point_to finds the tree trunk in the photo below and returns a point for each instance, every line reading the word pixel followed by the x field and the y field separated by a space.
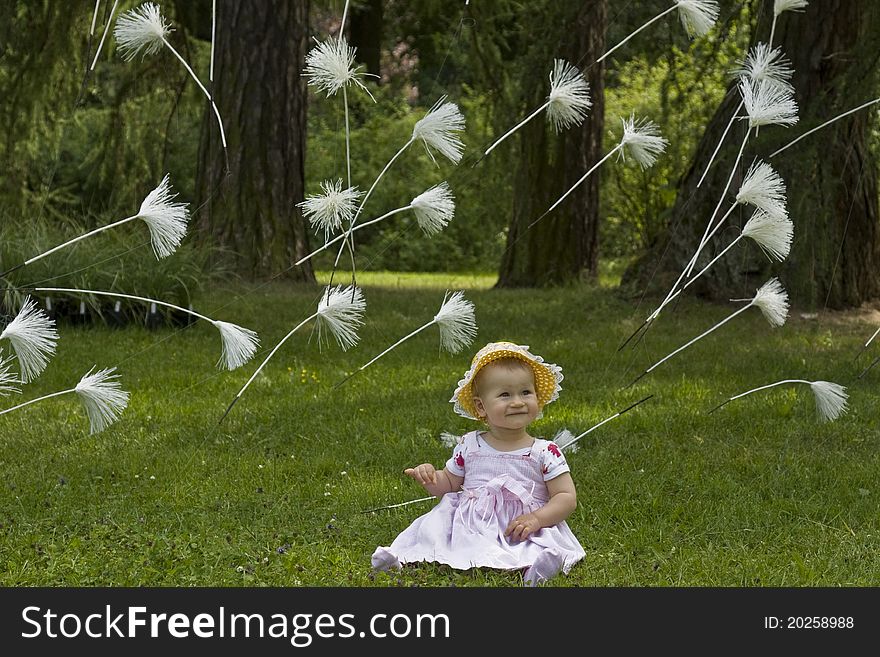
pixel 251 209
pixel 831 176
pixel 563 246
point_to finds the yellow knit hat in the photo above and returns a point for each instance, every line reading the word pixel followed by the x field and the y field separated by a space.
pixel 547 376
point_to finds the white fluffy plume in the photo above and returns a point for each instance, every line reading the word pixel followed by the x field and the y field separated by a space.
pixel 239 344
pixel 773 233
pixel 763 188
pixel 642 140
pixel 434 208
pixel 33 337
pixel 102 397
pixel 766 64
pixel 7 379
pixel 772 300
pixel 330 67
pixel 456 321
pixel 780 6
pixel 327 211
pixel 141 29
pixel 564 439
pixel 697 16
pixel 165 219
pixel 767 103
pixel 437 128
pixel 830 399
pixel 340 313
pixel 569 97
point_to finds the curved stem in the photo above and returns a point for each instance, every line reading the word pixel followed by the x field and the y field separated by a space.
pixel 721 141
pixel 202 87
pixel 33 401
pixel 778 383
pixel 517 127
pixel 81 237
pixel 656 18
pixel 401 341
pixel 124 296
pixel 357 228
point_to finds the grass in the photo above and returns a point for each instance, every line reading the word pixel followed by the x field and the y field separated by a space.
pixel 757 494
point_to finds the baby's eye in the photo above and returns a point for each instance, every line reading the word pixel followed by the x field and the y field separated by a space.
pixel 504 394
pixel 527 392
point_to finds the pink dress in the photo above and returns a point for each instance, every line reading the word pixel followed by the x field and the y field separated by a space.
pixel 466 529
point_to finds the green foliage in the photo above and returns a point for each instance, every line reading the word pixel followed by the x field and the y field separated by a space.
pixel 757 494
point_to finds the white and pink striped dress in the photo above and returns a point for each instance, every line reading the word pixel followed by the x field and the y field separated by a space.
pixel 466 529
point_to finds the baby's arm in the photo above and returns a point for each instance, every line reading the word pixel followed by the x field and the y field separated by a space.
pixel 563 500
pixel 436 483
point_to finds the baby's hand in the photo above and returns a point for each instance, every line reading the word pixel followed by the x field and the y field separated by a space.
pixel 522 526
pixel 424 474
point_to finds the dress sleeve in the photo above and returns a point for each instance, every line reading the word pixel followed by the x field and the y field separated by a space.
pixel 553 463
pixel 456 462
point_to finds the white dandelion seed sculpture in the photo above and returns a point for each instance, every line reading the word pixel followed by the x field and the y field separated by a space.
pixel 769 226
pixel 641 140
pixel 33 337
pixel 566 105
pixel 697 17
pixel 438 129
pixel 565 440
pixel 238 344
pixel 763 64
pixel 771 299
pixel 780 6
pixel 327 211
pixel 166 221
pixel 339 314
pixel 144 30
pixel 329 68
pixel 766 104
pixel 434 209
pixel 831 398
pixel 456 322
pixel 106 30
pixel 8 378
pixel 101 395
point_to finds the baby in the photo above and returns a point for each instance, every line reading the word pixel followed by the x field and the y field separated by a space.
pixel 505 495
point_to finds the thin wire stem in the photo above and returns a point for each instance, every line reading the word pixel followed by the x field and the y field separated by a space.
pixel 103 36
pixel 357 228
pixel 721 141
pixel 517 127
pixel 402 340
pixel 124 296
pixel 656 18
pixel 394 506
pixel 81 237
pixel 778 383
pixel 871 339
pixel 213 33
pixel 608 419
pixel 94 18
pixel 829 122
pixel 33 401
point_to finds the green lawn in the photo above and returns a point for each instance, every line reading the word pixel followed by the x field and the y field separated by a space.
pixel 757 494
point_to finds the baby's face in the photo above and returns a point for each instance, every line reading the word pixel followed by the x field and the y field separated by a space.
pixel 506 395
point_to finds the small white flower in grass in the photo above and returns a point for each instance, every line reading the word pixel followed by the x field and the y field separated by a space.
pixel 780 6
pixel 327 211
pixel 436 129
pixel 772 300
pixel 102 397
pixel 830 399
pixel 766 64
pixel 33 336
pixel 767 103
pixel 434 208
pixel 7 379
pixel 166 220
pixel 330 67
pixel 239 344
pixel 763 188
pixel 564 439
pixel 642 140
pixel 772 233
pixel 697 16
pixel 458 327
pixel 141 29
pixel 569 97
pixel 340 312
